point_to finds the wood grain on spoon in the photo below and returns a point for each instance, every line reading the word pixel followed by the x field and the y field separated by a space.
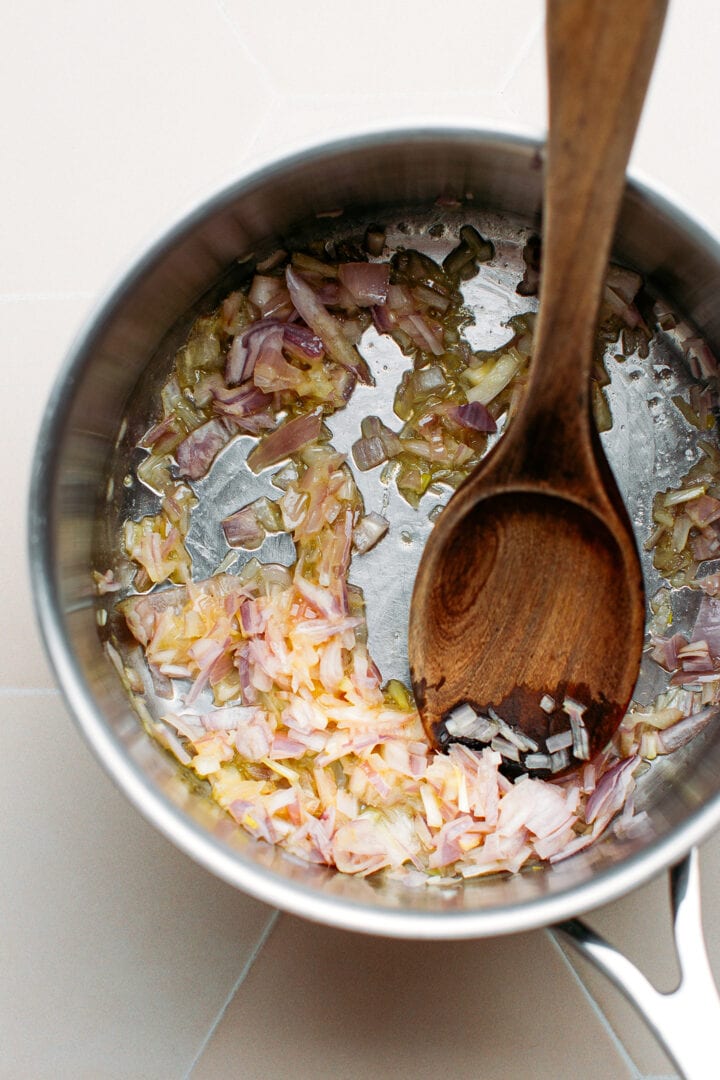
pixel 530 583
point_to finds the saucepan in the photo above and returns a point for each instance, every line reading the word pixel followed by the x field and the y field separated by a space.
pixel 420 184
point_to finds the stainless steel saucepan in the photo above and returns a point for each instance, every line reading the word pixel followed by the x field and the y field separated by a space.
pixel 103 399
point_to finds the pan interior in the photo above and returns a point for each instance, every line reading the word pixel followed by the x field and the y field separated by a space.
pixel 98 415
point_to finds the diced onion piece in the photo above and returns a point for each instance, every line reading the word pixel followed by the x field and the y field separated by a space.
pixel 657 718
pixel 302 342
pixel 400 301
pixel 461 720
pixel 245 405
pixel 374 241
pixel 703 511
pixel 487 385
pixel 373 426
pixel 294 507
pixel 481 248
pixel 559 760
pixel 286 476
pixel 664 517
pixel 537 761
pixel 563 740
pixel 198 451
pixel 326 326
pixel 627 312
pixel 271 297
pixel 368 531
pixel 626 283
pixel 517 738
pixel 155 472
pixel 163 437
pixel 681 532
pixel 573 708
pixel 423 334
pixel 431 806
pixel 506 748
pixel 242 529
pixel 649 745
pixel 580 739
pixel 272 372
pixel 611 789
pixel 474 416
pixel 268 514
pixel 367 283
pixel 547 704
pixel 428 379
pixel 464 723
pixel 684 495
pixel 369 453
pixel 710 584
pixel 672 738
pixel 290 437
pixel 246 347
pixel 431 298
pixel 484 730
pixel 264 289
pixel 701 361
pixel 105 583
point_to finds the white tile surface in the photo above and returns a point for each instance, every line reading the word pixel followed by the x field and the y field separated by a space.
pixel 339 49
pixel 35 331
pixel 115 115
pixel 116 952
pixel 677 143
pixel 345 1006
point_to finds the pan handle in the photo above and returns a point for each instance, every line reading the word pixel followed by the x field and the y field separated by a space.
pixel 686 1020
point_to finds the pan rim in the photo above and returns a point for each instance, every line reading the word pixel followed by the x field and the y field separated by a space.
pixel 243 873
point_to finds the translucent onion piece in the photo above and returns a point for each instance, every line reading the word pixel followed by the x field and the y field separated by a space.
pixel 368 453
pixel 326 326
pixel 286 440
pixel 367 283
pixel 369 531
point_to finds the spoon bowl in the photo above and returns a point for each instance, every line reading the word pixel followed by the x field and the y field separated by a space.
pixel 553 568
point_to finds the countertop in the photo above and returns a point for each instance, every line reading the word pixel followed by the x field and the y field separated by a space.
pixel 120 958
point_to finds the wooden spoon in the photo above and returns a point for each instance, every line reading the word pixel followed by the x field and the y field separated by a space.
pixel 530 583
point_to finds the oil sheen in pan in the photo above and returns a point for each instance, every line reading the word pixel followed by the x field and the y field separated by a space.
pixel 650 446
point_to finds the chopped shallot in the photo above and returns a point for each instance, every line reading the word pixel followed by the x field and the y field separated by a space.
pixel 367 283
pixel 475 416
pixel 286 440
pixel 242 529
pixel 326 326
pixel 196 453
pixel 276 702
pixel 369 531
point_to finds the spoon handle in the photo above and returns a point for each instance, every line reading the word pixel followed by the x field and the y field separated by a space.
pixel 600 55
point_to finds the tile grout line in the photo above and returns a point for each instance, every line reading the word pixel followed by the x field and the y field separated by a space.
pixel 521 55
pixel 272 97
pixel 604 1022
pixel 244 972
pixel 250 56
